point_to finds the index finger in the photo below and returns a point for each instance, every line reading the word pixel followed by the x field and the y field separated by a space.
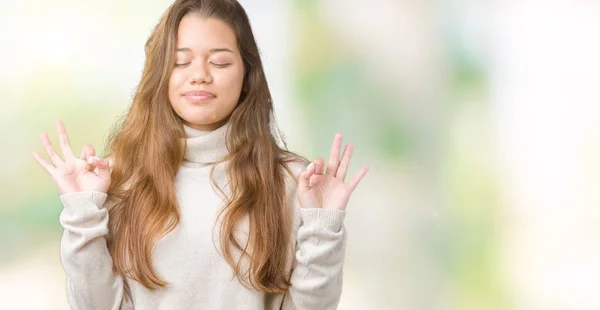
pixel 63 139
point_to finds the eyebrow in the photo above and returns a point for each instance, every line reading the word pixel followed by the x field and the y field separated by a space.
pixel 211 51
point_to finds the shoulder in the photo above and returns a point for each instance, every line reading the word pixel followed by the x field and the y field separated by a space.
pixel 293 167
pixel 111 166
pixel 111 162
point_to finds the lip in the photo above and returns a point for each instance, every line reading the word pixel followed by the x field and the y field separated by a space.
pixel 198 95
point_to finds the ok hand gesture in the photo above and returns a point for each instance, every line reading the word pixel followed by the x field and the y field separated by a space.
pixel 329 190
pixel 73 174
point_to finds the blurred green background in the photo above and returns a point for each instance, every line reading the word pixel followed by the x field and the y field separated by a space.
pixel 480 120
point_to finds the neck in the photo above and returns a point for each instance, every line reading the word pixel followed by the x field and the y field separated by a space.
pixel 207 127
pixel 205 146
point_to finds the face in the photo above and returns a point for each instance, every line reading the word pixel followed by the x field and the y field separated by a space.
pixel 207 78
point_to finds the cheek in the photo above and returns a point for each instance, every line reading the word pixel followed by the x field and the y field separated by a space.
pixel 231 83
pixel 175 81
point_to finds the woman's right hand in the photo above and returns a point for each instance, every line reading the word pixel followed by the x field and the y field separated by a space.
pixel 74 174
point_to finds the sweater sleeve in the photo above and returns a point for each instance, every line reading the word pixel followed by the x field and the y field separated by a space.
pixel 316 279
pixel 92 282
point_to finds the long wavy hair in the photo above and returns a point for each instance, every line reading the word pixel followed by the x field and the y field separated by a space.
pixel 146 150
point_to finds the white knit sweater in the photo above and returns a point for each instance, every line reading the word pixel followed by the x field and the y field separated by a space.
pixel 198 276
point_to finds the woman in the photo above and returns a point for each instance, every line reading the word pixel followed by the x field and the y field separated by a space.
pixel 196 205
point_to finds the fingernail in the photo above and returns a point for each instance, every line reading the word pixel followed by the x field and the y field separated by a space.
pixel 310 166
pixel 90 159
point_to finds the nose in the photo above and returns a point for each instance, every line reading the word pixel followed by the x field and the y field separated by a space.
pixel 200 74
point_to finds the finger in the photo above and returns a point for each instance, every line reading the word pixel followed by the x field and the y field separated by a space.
pixel 102 166
pixel 356 179
pixel 317 179
pixel 48 167
pixel 54 158
pixel 63 138
pixel 319 165
pixel 334 156
pixel 304 178
pixel 87 151
pixel 343 168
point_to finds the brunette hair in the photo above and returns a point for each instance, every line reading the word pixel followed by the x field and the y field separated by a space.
pixel 147 149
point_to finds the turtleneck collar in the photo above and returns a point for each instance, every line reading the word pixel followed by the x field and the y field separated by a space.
pixel 205 146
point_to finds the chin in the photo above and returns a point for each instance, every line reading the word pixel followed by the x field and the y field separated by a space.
pixel 204 123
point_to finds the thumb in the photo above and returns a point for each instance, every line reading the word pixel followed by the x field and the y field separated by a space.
pixel 304 178
pixel 102 166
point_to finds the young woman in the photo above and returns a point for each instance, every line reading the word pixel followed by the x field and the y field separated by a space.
pixel 196 206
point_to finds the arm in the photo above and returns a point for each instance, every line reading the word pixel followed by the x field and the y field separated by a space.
pixel 91 281
pixel 320 250
pixel 82 183
pixel 322 197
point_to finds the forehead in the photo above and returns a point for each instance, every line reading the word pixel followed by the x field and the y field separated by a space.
pixel 201 34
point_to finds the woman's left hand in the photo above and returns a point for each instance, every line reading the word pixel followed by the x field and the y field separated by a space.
pixel 329 190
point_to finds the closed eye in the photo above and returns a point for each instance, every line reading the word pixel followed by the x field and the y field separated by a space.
pixel 220 65
pixel 214 64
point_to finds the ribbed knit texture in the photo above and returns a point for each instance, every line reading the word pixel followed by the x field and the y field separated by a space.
pixel 198 276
